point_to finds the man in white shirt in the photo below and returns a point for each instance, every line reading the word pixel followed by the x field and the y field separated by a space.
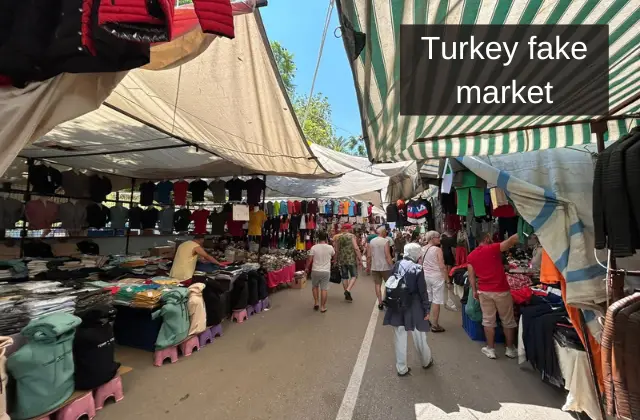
pixel 319 265
pixel 379 261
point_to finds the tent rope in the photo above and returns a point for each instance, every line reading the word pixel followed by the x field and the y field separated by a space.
pixel 315 73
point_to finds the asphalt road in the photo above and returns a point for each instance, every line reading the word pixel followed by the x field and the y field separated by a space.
pixel 294 363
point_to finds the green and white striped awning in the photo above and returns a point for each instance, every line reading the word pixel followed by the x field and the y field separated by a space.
pixel 391 136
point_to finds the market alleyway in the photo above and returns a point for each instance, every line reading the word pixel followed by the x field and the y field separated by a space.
pixel 294 363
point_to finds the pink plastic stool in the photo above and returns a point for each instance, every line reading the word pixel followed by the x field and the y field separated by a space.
pixel 216 331
pixel 161 355
pixel 239 316
pixel 188 346
pixel 266 304
pixel 113 388
pixel 257 308
pixel 83 406
pixel 45 418
pixel 250 311
pixel 205 337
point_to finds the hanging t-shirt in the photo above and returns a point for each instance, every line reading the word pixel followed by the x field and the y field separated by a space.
pixel 217 220
pixel 235 187
pixel 97 215
pixel 119 215
pixel 331 207
pixel 284 208
pixel 234 226
pixel 254 187
pixel 256 220
pixel 181 220
pixel 269 208
pixel 276 208
pixel 217 188
pixel 352 208
pixel 197 189
pixel 304 206
pixel 135 216
pixel 364 211
pixel 199 218
pixel 165 219
pixel 99 188
pixel 392 213
pixel 290 207
pixel 345 208
pixel 149 218
pixel 163 192
pixel 180 192
pixel 313 207
pixel 303 222
pixel 146 193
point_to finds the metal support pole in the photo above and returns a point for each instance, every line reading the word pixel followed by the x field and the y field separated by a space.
pixel 264 208
pixel 133 187
pixel 26 198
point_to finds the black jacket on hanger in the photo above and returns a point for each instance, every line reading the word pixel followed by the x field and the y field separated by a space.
pixel 149 218
pixel 181 220
pixel 615 225
pixel 146 193
pixel 135 217
pixel 44 179
pixel 97 215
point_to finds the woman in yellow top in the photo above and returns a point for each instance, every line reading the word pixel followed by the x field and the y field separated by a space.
pixel 186 258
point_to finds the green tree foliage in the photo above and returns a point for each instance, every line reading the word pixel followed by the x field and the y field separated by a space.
pixel 317 127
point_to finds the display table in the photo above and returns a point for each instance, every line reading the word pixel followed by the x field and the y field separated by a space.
pixel 284 275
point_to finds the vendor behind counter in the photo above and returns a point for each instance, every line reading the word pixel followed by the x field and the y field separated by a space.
pixel 186 258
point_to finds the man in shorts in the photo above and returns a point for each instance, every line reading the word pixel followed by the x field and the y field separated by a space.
pixel 489 284
pixel 379 261
pixel 348 257
pixel 319 265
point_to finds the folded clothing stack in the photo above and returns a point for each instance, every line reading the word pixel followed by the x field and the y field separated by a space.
pixel 13 315
pixel 90 297
pixel 36 267
pixel 5 274
pixel 17 268
pixel 149 299
pixel 37 308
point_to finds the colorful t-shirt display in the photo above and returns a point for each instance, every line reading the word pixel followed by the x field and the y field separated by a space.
pixel 180 193
pixel 199 218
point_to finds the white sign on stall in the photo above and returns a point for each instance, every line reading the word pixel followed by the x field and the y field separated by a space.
pixel 240 212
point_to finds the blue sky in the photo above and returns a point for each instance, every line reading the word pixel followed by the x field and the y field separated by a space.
pixel 298 26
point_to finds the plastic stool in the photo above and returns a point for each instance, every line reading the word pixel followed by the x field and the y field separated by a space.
pixel 188 346
pixel 113 388
pixel 266 304
pixel 239 316
pixel 160 355
pixel 250 311
pixel 257 308
pixel 216 331
pixel 45 418
pixel 205 337
pixel 83 406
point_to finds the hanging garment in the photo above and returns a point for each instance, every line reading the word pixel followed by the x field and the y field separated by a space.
pixel 75 184
pixel 73 216
pixel 166 219
pixel 197 312
pixel 175 318
pixel 525 230
pixel 615 225
pixel 43 368
pixel 180 189
pixel 417 211
pixel 256 222
pixel 4 378
pixel 135 217
pixel 149 218
pixel 94 348
pixel 235 187
pixel 217 219
pixel 160 22
pixel 498 198
pixel 163 192
pixel 199 218
pixel 44 179
pixel 97 215
pixel 118 215
pixel 147 191
pixel 41 214
pixel 181 220
pixel 197 189
pixel 99 188
pixel 11 210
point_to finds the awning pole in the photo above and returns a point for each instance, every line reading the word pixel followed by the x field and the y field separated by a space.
pixel 133 187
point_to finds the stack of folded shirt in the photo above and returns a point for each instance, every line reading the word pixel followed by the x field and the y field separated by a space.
pixel 32 286
pixel 17 268
pixel 5 274
pixel 37 308
pixel 71 265
pixel 126 294
pixel 36 267
pixel 91 296
pixel 13 315
pixel 149 299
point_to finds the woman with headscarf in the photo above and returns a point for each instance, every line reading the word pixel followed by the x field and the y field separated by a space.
pixel 415 317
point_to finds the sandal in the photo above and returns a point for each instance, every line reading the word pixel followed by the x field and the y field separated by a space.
pixel 323 311
pixel 437 329
pixel 316 307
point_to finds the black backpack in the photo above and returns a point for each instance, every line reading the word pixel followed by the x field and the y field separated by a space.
pixel 397 293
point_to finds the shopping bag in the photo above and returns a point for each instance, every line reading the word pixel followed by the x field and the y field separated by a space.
pixel 336 277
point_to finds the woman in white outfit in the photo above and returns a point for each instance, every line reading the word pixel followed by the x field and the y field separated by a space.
pixel 435 274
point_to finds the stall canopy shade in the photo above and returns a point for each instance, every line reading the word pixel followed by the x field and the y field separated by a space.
pixel 376 71
pixel 378 183
pixel 229 102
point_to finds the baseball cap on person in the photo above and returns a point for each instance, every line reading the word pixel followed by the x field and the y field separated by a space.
pixel 347 226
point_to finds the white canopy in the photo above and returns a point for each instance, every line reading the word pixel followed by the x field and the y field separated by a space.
pixel 378 183
pixel 228 101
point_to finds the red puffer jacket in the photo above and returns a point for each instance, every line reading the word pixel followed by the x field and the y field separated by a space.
pixel 159 21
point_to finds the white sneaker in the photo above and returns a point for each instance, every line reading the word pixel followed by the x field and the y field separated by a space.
pixel 489 352
pixel 511 352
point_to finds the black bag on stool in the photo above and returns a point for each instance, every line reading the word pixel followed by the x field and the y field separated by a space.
pixel 94 347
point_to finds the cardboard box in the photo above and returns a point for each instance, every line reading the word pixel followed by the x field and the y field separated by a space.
pixel 299 281
pixel 162 251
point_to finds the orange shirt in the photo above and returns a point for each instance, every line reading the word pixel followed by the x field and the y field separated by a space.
pixel 345 208
pixel 549 274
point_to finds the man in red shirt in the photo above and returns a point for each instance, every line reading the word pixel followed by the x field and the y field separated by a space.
pixel 489 284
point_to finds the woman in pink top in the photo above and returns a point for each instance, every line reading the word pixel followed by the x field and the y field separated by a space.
pixel 435 275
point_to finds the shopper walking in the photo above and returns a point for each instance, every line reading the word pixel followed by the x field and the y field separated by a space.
pixel 489 285
pixel 435 275
pixel 399 242
pixel 379 261
pixel 348 257
pixel 319 265
pixel 415 316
